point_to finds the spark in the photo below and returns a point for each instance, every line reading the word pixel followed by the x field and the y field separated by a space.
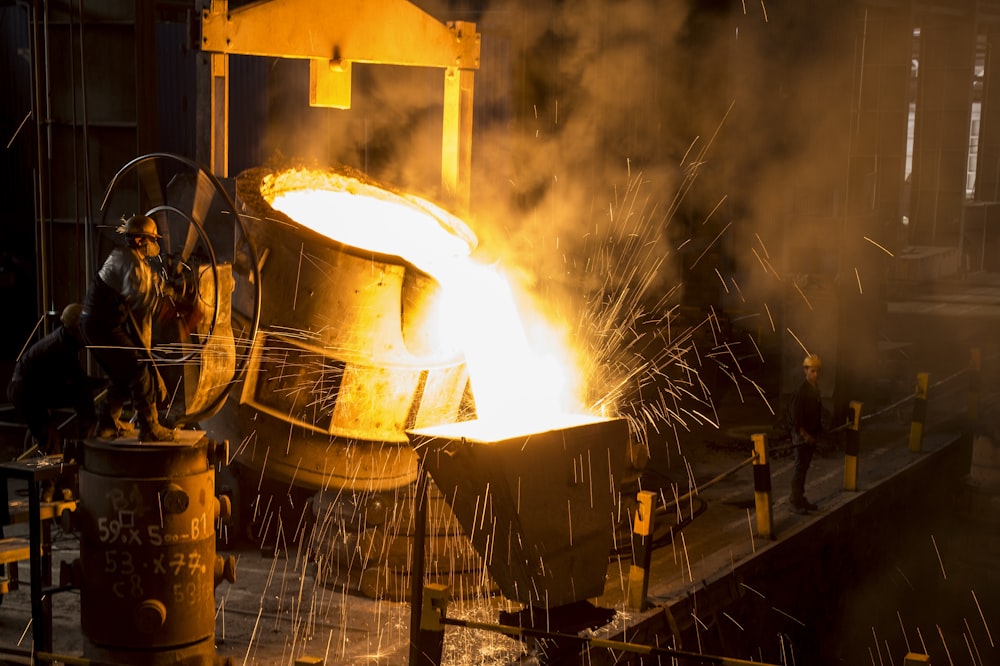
pixel 769 318
pixel 18 130
pixel 698 620
pixel 738 290
pixel 878 649
pixel 940 562
pixel 802 294
pixel 796 620
pixel 902 629
pixel 709 246
pixel 730 618
pixel 721 279
pixel 25 633
pixel 968 646
pixel 905 578
pixel 857 275
pixel 797 340
pixel 945 644
pixel 709 216
pixel 246 658
pixel 687 559
pixel 983 618
pixel 881 247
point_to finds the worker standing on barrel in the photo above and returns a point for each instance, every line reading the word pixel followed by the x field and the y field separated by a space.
pixel 807 424
pixel 48 375
pixel 117 327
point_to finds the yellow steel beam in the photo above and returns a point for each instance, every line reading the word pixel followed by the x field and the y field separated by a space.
pixel 334 34
pixel 391 32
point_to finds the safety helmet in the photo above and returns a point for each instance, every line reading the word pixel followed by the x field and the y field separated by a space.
pixel 141 225
pixel 70 316
pixel 812 361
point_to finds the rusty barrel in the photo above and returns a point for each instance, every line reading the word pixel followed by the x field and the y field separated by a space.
pixel 148 567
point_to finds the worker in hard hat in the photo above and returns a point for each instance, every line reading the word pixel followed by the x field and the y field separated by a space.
pixel 806 413
pixel 48 375
pixel 117 327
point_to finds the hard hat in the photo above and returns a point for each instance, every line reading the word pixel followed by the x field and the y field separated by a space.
pixel 812 361
pixel 70 316
pixel 141 225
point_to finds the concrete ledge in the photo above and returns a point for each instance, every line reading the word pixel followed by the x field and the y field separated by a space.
pixel 819 559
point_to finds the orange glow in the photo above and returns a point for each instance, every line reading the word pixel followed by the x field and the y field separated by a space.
pixel 517 385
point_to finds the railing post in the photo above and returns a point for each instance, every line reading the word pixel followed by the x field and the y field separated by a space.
pixel 975 382
pixel 642 548
pixel 430 641
pixel 919 413
pixel 762 487
pixel 852 447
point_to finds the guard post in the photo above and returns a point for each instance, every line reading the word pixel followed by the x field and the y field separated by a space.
pixel 919 413
pixel 852 446
pixel 430 640
pixel 975 382
pixel 642 549
pixel 762 487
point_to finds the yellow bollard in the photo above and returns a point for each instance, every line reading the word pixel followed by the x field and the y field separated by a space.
pixel 762 487
pixel 642 540
pixel 852 446
pixel 430 641
pixel 914 659
pixel 919 412
pixel 975 381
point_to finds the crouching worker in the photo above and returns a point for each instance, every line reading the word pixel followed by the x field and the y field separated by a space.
pixel 117 327
pixel 47 376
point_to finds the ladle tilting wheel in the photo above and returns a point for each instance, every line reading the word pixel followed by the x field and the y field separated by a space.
pixel 200 340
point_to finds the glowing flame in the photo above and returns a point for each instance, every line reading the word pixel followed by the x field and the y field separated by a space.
pixel 520 382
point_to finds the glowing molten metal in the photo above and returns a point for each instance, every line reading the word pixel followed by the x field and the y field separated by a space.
pixel 517 386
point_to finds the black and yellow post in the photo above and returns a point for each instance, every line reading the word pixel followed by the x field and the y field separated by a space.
pixel 919 412
pixel 642 548
pixel 852 446
pixel 430 642
pixel 975 382
pixel 762 487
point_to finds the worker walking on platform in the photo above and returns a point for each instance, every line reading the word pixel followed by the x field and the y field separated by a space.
pixel 806 413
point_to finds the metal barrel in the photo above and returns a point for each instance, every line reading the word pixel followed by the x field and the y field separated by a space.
pixel 147 551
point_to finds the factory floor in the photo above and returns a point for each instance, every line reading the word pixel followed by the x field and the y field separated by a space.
pixel 276 612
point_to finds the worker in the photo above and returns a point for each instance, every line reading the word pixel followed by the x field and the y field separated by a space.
pixel 117 327
pixel 806 413
pixel 47 376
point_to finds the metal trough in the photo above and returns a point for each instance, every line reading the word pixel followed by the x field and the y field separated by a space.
pixel 539 507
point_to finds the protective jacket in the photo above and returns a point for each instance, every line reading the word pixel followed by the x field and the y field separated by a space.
pixel 807 410
pixel 49 375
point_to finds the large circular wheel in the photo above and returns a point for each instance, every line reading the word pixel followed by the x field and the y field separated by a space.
pixel 205 246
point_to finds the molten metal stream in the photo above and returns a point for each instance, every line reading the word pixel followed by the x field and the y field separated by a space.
pixel 516 387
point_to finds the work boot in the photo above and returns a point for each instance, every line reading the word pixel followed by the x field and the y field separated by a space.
pixel 150 429
pixel 799 506
pixel 110 424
